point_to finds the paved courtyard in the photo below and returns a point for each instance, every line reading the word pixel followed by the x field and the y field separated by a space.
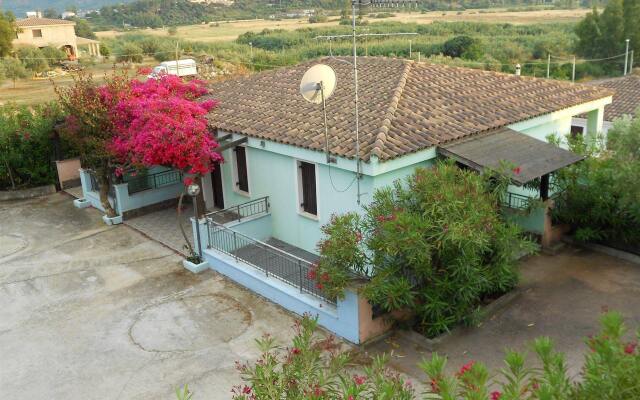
pixel 560 296
pixel 89 311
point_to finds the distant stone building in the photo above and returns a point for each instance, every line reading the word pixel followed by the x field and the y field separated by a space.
pixel 42 32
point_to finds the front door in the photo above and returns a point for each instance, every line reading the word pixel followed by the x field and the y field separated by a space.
pixel 216 185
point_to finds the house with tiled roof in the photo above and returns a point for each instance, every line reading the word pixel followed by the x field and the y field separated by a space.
pixel 283 179
pixel 626 101
pixel 59 33
pixel 410 113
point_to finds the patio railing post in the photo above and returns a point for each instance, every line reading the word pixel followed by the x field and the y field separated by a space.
pixel 300 275
pixel 235 245
pixel 239 216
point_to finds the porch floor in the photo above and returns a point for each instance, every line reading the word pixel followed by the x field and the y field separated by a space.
pixel 286 269
pixel 162 226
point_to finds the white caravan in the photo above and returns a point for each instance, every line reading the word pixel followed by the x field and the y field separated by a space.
pixel 179 68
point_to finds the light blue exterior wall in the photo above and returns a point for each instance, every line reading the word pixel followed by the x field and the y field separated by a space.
pixel 272 171
pixel 342 319
pixel 123 201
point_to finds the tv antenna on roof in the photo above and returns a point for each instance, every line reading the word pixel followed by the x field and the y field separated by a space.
pixel 354 35
pixel 316 86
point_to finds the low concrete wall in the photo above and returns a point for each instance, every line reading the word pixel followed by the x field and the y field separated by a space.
pixel 341 319
pixel 68 172
pixel 126 204
pixel 29 193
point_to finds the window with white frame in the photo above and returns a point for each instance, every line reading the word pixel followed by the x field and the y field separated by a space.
pixel 240 172
pixel 307 188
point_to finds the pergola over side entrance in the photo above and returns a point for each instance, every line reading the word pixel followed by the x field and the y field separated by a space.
pixel 531 158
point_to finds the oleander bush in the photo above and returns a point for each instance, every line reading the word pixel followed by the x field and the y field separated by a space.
pixel 313 367
pixel 434 246
pixel 28 145
pixel 600 196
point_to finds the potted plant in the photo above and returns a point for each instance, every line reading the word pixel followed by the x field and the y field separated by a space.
pixel 195 263
pixel 81 203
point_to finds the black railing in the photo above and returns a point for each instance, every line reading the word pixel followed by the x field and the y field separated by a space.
pixel 515 201
pixel 94 185
pixel 241 211
pixel 271 260
pixel 140 183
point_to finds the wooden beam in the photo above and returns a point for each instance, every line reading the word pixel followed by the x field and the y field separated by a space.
pixel 544 187
pixel 224 137
pixel 229 145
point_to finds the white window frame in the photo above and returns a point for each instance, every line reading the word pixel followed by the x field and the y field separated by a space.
pixel 299 196
pixel 234 171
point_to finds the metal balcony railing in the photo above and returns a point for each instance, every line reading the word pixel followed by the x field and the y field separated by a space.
pixel 274 262
pixel 140 183
pixel 515 201
pixel 241 211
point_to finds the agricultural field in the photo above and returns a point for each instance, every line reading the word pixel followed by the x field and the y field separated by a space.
pixel 38 90
pixel 226 31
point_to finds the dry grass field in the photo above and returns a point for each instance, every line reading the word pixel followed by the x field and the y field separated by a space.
pixel 228 31
pixel 32 91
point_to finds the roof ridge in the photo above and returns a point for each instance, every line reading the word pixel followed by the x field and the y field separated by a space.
pixel 381 137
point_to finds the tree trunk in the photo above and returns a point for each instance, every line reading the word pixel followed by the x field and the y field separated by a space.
pixel 13 182
pixel 184 234
pixel 104 179
pixel 200 197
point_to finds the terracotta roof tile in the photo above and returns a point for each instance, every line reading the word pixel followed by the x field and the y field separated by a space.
pixel 626 99
pixel 404 106
pixel 42 21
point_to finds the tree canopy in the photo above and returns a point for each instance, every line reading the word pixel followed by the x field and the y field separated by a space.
pixel 603 35
pixel 7 32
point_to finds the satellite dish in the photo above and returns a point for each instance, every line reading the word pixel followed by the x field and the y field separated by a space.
pixel 318 83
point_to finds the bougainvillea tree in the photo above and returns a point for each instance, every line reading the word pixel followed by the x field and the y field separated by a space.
pixel 127 123
pixel 89 125
pixel 162 122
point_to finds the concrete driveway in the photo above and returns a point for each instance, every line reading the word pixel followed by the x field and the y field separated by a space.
pixel 560 296
pixel 95 312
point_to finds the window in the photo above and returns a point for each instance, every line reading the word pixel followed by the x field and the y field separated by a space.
pixel 307 188
pixel 576 130
pixel 240 169
pixel 36 33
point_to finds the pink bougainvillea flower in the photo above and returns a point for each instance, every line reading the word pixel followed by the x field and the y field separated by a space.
pixel 188 181
pixel 144 71
pixel 517 170
pixel 496 395
pixel 359 380
pixel 119 171
pixel 435 388
pixel 295 350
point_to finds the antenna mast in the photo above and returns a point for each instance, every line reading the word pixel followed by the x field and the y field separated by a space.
pixel 354 4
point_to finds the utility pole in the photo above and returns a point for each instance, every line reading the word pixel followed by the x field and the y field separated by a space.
pixel 573 72
pixel 626 57
pixel 251 51
pixel 177 57
pixel 410 53
pixel 548 64
pixel 631 63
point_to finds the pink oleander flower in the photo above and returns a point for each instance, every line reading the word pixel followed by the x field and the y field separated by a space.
pixel 496 395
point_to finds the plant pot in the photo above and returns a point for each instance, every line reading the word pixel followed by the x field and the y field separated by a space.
pixel 112 221
pixel 81 203
pixel 195 268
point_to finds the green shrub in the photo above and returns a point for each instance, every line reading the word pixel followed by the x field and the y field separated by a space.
pixel 27 148
pixel 129 52
pixel 599 197
pixel 32 59
pixel 455 250
pixel 53 54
